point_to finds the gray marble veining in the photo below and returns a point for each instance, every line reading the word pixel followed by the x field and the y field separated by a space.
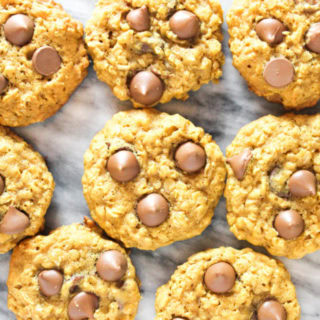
pixel 221 109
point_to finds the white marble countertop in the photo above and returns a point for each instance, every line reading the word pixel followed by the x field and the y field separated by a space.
pixel 221 109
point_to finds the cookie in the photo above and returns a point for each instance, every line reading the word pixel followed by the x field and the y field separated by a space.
pixel 226 283
pixel 151 178
pixel 43 60
pixel 276 48
pixel 26 189
pixel 72 274
pixel 272 189
pixel 152 51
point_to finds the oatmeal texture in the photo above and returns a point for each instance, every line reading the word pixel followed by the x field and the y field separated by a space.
pixel 28 185
pixel 73 250
pixel 258 279
pixel 280 147
pixel 153 137
pixel 119 52
pixel 30 96
pixel 251 54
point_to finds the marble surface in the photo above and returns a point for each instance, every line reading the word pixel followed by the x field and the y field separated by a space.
pixel 221 109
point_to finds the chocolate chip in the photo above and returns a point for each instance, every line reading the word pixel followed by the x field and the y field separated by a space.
pixel 185 24
pixel 123 166
pixel 46 61
pixel 14 222
pixel 83 306
pixel 139 19
pixel 153 210
pixel 2 185
pixel 50 282
pixel 279 72
pixel 19 29
pixel 271 31
pixel 3 83
pixel 313 38
pixel 289 224
pixel 220 277
pixel 146 88
pixel 302 184
pixel 190 157
pixel 239 163
pixel 112 265
pixel 272 310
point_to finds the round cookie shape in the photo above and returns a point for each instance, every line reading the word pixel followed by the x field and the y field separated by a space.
pixel 163 204
pixel 275 203
pixel 26 189
pixel 70 288
pixel 262 289
pixel 45 60
pixel 276 49
pixel 177 42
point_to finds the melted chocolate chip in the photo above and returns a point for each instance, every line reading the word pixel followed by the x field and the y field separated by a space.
pixel 220 277
pixel 14 222
pixel 153 210
pixel 19 29
pixel 112 265
pixel 50 282
pixel 190 157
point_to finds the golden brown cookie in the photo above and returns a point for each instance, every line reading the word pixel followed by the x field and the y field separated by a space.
pixel 43 60
pixel 272 189
pixel 152 178
pixel 26 188
pixel 276 48
pixel 226 283
pixel 152 51
pixel 72 274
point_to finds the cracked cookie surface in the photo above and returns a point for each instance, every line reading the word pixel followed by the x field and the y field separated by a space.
pixel 259 280
pixel 286 34
pixel 120 50
pixel 160 203
pixel 275 203
pixel 26 189
pixel 71 252
pixel 31 92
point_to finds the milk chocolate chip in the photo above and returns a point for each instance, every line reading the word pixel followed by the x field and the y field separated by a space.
pixel 153 210
pixel 83 306
pixel 123 166
pixel 19 29
pixel 3 83
pixel 2 185
pixel 302 184
pixel 190 157
pixel 50 282
pixel 289 224
pixel 112 265
pixel 146 88
pixel 272 310
pixel 139 19
pixel 271 31
pixel 279 72
pixel 220 277
pixel 239 163
pixel 14 222
pixel 185 24
pixel 46 61
pixel 313 38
